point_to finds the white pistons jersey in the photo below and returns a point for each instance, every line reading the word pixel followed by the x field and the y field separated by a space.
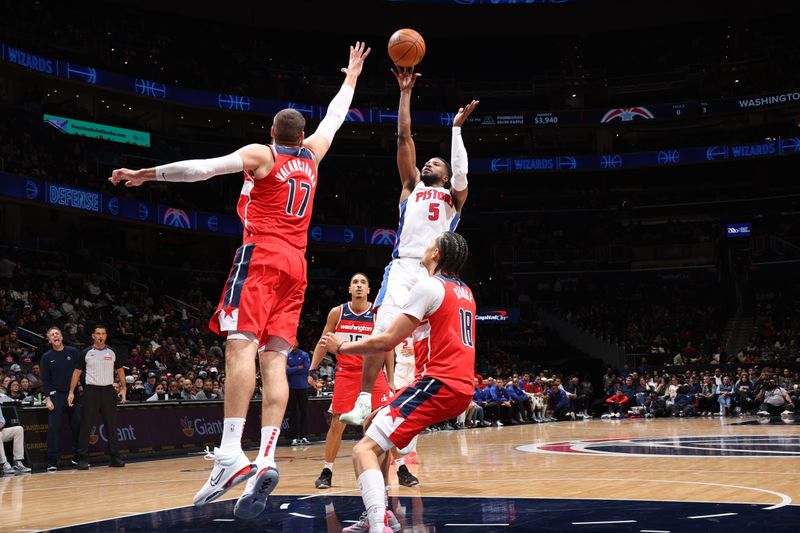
pixel 427 212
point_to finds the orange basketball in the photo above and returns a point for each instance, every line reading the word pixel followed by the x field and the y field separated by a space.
pixel 406 47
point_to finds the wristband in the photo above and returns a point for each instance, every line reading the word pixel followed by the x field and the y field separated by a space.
pixel 339 348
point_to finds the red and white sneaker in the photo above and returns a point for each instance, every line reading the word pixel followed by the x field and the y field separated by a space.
pixel 229 470
pixel 253 500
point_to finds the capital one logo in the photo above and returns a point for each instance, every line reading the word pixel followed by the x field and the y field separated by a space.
pixel 627 114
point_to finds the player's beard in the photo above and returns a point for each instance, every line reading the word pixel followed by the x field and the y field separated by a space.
pixel 429 179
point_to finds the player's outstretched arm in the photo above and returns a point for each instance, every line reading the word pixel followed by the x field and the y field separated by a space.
pixel 398 330
pixel 319 351
pixel 251 157
pixel 321 140
pixel 458 157
pixel 406 150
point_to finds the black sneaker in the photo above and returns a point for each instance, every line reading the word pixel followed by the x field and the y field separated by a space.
pixel 52 468
pixel 74 461
pixel 83 465
pixel 116 462
pixel 406 478
pixel 325 478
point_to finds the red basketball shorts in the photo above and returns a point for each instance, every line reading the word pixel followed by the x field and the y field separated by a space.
pixel 414 408
pixel 347 387
pixel 264 292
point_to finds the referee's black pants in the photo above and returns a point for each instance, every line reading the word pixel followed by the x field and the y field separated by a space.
pixel 102 399
pixel 298 408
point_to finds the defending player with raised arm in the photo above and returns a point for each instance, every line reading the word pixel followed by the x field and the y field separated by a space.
pixel 443 308
pixel 431 201
pixel 259 309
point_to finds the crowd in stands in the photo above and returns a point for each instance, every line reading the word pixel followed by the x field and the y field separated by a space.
pixel 647 392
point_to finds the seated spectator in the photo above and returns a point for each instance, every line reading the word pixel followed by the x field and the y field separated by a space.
pixel 186 392
pixel 136 392
pixel 498 401
pixel 706 399
pixel 159 395
pixel 150 384
pixel 743 395
pixel 174 390
pixel 16 435
pixel 654 406
pixel 725 396
pixel 521 404
pixel 774 400
pixel 684 404
pixel 616 404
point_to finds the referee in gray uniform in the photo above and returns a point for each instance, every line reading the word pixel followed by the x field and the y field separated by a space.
pixel 99 362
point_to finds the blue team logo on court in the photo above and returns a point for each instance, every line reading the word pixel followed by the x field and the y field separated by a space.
pixel 677 446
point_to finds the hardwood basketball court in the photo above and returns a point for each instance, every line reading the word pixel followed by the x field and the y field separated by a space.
pixel 630 475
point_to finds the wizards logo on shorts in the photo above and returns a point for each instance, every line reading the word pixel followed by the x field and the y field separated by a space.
pixel 777 446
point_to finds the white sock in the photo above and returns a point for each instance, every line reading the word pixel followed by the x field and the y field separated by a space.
pixel 365 396
pixel 232 434
pixel 269 440
pixel 329 466
pixel 399 462
pixel 372 490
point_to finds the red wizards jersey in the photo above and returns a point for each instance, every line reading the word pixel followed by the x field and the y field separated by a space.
pixel 444 342
pixel 280 204
pixel 353 327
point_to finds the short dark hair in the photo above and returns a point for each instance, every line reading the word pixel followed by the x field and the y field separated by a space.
pixel 359 274
pixel 448 183
pixel 288 125
pixel 453 253
pixel 99 326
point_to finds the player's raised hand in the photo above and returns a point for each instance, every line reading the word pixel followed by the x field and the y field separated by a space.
pixel 131 178
pixel 406 77
pixel 464 113
pixel 358 53
pixel 330 342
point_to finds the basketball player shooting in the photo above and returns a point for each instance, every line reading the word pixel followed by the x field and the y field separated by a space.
pixel 431 201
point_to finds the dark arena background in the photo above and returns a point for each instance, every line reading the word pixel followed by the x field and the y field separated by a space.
pixel 634 231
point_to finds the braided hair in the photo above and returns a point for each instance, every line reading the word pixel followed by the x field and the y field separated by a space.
pixel 453 252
